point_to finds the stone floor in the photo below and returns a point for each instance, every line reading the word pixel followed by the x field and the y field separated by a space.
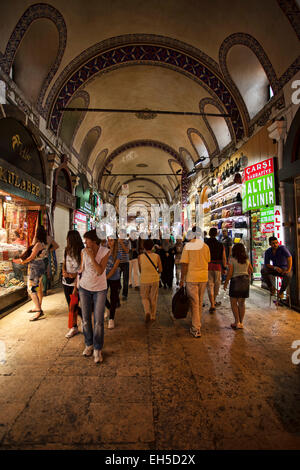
pixel 158 387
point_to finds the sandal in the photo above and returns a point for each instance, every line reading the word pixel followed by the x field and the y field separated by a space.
pixel 37 317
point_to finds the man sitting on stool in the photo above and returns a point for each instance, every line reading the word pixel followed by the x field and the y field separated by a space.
pixel 282 266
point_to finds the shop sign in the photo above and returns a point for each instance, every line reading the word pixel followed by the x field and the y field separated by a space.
pixel 258 188
pixel 267 227
pixel 79 218
pixel 84 206
pixel 18 147
pixel 65 198
pixel 17 182
pixel 267 215
pixel 278 224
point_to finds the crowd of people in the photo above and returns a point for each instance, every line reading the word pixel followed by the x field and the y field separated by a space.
pixel 97 273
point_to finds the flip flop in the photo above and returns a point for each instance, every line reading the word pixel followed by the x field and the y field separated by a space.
pixel 41 314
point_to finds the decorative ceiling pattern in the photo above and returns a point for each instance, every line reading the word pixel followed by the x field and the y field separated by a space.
pixel 153 70
pixel 148 54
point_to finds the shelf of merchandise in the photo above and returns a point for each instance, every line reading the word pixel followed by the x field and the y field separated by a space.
pixel 227 190
pixel 227 205
pixel 231 217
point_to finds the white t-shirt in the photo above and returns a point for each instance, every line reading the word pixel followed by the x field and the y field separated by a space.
pixel 90 279
pixel 72 266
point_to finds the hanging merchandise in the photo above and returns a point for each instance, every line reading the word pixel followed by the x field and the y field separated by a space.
pixel 224 208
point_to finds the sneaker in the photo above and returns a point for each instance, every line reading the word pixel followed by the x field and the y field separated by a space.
pixel 111 324
pixel 72 332
pixel 98 356
pixel 106 313
pixel 88 351
pixel 194 332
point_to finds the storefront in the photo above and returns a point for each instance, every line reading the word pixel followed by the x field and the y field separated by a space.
pixel 223 207
pixel 259 200
pixel 289 177
pixel 22 202
pixel 84 209
pixel 64 203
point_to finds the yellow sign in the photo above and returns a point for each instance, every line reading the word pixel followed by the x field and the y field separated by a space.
pixel 25 185
pixel 17 144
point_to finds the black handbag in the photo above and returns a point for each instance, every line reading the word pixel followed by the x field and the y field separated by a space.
pixel 180 303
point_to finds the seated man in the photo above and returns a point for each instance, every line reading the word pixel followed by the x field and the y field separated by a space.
pixel 282 266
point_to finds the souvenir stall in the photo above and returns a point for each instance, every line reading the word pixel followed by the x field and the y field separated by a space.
pixel 223 208
pixel 259 199
pixel 22 198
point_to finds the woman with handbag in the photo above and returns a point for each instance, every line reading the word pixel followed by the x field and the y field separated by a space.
pixel 34 257
pixel 71 265
pixel 150 266
pixel 238 274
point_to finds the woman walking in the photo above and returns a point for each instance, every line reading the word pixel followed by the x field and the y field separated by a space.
pixel 150 266
pixel 178 252
pixel 71 265
pixel 92 293
pixel 113 280
pixel 34 257
pixel 238 274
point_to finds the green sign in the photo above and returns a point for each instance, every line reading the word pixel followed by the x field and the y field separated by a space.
pixel 267 215
pixel 258 188
pixel 84 206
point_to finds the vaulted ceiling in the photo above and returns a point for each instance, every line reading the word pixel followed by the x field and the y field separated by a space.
pixel 184 56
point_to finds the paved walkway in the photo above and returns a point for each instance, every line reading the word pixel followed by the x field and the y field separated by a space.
pixel 158 388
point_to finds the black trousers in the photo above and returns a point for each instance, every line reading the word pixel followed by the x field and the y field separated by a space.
pixel 168 269
pixel 269 273
pixel 111 304
pixel 124 267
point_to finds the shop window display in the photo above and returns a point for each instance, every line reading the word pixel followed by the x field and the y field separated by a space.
pixel 13 241
pixel 260 236
pixel 14 238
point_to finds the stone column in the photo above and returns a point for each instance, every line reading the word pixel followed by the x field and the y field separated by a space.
pixel 277 131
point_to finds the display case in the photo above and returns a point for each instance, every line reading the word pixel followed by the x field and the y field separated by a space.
pixel 13 241
pixel 224 210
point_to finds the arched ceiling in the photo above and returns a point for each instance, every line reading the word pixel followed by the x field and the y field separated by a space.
pixel 179 56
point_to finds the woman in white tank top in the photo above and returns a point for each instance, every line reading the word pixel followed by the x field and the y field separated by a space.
pixel 238 274
pixel 92 293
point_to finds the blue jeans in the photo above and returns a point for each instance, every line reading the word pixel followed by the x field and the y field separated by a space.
pixel 93 301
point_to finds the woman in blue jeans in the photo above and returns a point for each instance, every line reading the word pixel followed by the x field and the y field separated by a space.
pixel 92 291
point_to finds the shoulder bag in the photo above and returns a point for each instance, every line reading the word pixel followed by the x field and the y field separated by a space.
pixel 155 267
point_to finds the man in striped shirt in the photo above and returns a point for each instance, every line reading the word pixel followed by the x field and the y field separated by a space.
pixel 124 247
